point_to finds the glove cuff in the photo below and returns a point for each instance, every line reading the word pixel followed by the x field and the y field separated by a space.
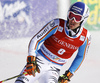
pixel 68 74
pixel 31 59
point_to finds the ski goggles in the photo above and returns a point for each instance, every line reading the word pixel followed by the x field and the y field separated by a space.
pixel 76 17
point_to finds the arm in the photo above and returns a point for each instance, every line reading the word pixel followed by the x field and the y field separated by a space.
pixel 41 36
pixel 82 51
pixel 48 30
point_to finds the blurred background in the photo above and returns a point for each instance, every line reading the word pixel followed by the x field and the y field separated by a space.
pixel 20 20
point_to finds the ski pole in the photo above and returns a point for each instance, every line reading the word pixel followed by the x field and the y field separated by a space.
pixel 13 77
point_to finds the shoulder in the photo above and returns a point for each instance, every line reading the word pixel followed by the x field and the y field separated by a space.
pixel 87 31
pixel 88 34
pixel 55 22
pixel 60 19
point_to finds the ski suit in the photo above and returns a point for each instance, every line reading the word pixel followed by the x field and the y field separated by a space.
pixel 53 46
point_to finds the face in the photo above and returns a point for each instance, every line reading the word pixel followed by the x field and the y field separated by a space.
pixel 73 24
pixel 74 20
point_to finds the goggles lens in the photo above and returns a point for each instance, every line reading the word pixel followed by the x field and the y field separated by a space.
pixel 77 17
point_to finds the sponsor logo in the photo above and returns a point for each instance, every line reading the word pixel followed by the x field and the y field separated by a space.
pixel 52 56
pixel 75 8
pixel 65 44
pixel 52 24
pixel 82 38
pixel 60 29
pixel 43 32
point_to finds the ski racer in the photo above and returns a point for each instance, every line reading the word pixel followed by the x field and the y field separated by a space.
pixel 54 44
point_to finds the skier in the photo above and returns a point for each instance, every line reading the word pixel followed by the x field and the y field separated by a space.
pixel 54 44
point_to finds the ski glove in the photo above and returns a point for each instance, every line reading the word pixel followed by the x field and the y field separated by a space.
pixel 65 78
pixel 32 66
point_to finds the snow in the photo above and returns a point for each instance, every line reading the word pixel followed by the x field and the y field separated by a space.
pixel 13 53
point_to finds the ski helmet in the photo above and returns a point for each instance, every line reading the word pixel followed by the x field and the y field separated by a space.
pixel 79 9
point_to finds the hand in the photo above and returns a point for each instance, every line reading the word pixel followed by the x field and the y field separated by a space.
pixel 32 66
pixel 65 78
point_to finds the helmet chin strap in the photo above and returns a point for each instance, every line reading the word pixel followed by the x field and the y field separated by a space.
pixel 73 32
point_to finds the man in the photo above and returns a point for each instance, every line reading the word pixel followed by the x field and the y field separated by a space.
pixel 54 44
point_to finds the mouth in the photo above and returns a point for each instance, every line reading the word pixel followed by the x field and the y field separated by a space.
pixel 71 25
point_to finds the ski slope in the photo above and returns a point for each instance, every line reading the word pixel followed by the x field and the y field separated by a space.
pixel 13 53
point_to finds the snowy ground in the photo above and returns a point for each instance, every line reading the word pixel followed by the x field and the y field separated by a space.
pixel 13 55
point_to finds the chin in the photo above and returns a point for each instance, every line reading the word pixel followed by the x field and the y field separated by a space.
pixel 71 27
